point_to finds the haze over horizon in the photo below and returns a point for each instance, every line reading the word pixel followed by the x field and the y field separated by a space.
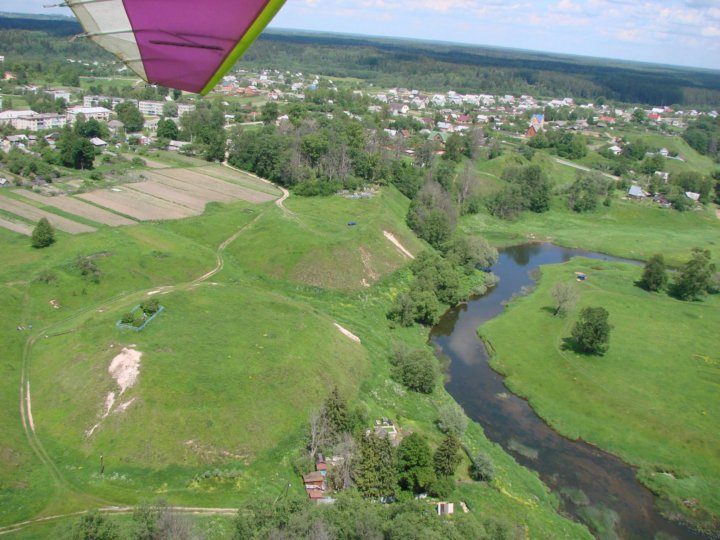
pixel 679 32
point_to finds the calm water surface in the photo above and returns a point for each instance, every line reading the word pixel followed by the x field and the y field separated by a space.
pixel 566 466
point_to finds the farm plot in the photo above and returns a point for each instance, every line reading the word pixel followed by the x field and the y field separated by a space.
pixel 199 192
pixel 168 193
pixel 16 226
pixel 75 206
pixel 34 214
pixel 239 177
pixel 213 184
pixel 138 205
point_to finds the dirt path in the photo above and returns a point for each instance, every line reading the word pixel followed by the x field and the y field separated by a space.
pixel 583 168
pixel 278 202
pixel 390 236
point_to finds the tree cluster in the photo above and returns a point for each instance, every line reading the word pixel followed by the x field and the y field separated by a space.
pixel 415 369
pixel 528 189
pixel 585 193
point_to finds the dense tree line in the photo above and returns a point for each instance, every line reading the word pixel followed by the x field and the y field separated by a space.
pixel 704 136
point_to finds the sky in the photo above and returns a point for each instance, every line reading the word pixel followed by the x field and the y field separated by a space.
pixel 678 32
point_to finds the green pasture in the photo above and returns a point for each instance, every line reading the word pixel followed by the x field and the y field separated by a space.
pixel 651 399
pixel 315 245
pixel 628 229
pixel 230 369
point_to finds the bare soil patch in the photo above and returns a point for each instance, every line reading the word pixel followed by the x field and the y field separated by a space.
pixel 34 214
pixel 138 205
pixel 239 177
pixel 16 226
pixel 207 195
pixel 124 368
pixel 75 206
pixel 213 184
pixel 347 333
pixel 168 193
pixel 390 236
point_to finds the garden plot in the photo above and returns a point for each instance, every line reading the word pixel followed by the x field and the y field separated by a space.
pixel 239 177
pixel 194 190
pixel 75 206
pixel 138 205
pixel 185 198
pixel 34 214
pixel 213 184
pixel 16 226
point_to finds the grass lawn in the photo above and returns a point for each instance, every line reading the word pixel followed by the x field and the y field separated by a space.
pixel 628 229
pixel 651 399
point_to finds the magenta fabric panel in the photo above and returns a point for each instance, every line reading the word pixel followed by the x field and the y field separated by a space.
pixel 183 42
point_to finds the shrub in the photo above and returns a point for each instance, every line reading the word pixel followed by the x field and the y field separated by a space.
pixel 482 468
pixel 415 369
pixel 150 306
pixel 452 419
pixel 43 234
pixel 128 318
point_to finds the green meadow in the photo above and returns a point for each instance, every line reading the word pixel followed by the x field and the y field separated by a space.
pixel 229 371
pixel 629 229
pixel 651 399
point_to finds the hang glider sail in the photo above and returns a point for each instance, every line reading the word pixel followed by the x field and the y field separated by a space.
pixel 183 44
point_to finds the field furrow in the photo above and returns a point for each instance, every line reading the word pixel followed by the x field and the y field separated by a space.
pixel 75 206
pixel 137 205
pixel 34 214
pixel 16 226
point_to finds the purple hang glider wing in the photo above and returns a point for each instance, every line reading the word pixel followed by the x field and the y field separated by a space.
pixel 182 44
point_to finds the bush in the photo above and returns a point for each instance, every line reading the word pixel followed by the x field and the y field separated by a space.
pixel 128 318
pixel 415 369
pixel 151 306
pixel 452 419
pixel 482 468
pixel 43 234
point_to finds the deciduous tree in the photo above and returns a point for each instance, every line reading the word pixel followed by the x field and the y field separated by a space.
pixel 592 330
pixel 654 276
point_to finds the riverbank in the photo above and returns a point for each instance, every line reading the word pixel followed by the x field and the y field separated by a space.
pixel 649 400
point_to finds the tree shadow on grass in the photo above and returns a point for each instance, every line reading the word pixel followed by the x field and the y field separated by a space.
pixel 552 310
pixel 571 344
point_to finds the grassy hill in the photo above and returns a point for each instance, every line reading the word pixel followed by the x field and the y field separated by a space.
pixel 229 370
pixel 315 245
pixel 649 399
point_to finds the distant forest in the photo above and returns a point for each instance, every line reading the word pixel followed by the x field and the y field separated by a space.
pixel 430 66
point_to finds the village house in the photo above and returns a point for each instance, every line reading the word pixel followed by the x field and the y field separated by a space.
pixel 398 109
pixel 636 192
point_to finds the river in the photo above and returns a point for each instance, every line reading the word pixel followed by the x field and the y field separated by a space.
pixel 591 482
